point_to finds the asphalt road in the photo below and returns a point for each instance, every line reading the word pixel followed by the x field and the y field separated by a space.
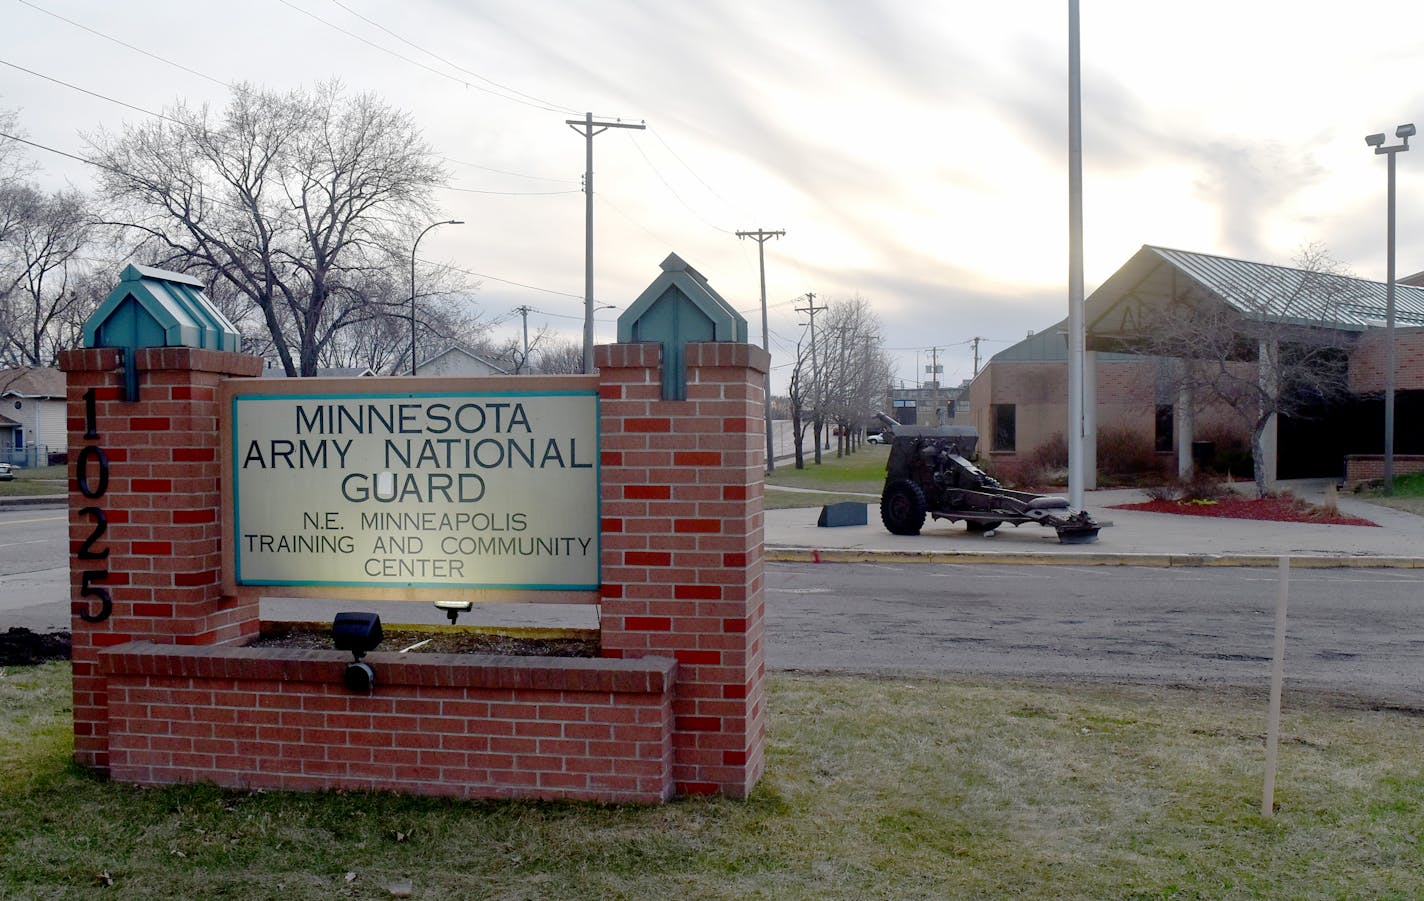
pixel 1355 632
pixel 34 568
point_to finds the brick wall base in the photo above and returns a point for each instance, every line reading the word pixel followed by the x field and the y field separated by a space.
pixel 1365 467
pixel 469 726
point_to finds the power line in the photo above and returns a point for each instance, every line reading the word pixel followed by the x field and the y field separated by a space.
pixel 554 107
pixel 509 193
pixel 505 281
pixel 75 87
pixel 566 181
pixel 115 40
pixel 187 125
pixel 649 232
pixel 217 81
pixel 699 178
pixel 64 154
pixel 116 171
pixel 674 193
pixel 415 62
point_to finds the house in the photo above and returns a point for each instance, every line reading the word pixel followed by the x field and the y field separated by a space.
pixel 457 361
pixel 343 372
pixel 1019 401
pixel 33 428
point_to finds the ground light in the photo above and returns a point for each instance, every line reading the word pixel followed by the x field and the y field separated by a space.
pixel 357 633
pixel 453 609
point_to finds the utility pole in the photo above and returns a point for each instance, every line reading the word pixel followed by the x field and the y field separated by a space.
pixel 934 370
pixel 761 236
pixel 588 127
pixel 524 312
pixel 811 310
pixel 975 342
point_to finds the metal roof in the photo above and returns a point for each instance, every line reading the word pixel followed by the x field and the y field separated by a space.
pixel 1051 345
pixel 1293 294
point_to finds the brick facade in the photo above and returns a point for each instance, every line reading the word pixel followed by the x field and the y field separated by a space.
pixel 440 724
pixel 1367 361
pixel 161 549
pixel 682 547
pixel 165 692
pixel 1128 394
pixel 1368 467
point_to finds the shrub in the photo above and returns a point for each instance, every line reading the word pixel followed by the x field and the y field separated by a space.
pixel 1051 454
pixel 1201 486
pixel 1124 451
pixel 1232 450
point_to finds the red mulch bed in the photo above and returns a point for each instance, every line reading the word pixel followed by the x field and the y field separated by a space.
pixel 1272 509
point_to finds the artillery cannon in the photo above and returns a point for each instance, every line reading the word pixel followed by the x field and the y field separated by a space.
pixel 929 473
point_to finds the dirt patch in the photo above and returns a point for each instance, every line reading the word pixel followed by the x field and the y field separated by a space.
pixel 1270 509
pixel 22 647
pixel 443 641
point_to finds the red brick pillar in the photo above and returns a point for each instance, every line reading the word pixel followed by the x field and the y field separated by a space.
pixel 145 513
pixel 683 547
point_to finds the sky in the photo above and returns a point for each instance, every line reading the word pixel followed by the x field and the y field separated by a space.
pixel 915 153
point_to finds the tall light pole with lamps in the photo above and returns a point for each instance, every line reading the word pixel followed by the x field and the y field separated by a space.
pixel 412 282
pixel 1404 133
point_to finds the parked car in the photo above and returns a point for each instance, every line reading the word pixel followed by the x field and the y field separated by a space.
pixel 877 438
pixel 7 472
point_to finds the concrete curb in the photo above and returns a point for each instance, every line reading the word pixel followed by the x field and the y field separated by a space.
pixel 1302 561
pixel 35 500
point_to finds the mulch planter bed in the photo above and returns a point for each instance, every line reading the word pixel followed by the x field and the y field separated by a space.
pixel 442 640
pixel 1268 509
pixel 23 647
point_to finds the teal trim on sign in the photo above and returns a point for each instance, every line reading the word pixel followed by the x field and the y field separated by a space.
pixel 522 586
pixel 597 471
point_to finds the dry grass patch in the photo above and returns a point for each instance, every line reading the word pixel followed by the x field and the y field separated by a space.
pixel 875 788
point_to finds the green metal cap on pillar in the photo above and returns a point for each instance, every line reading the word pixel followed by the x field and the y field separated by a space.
pixel 678 308
pixel 156 308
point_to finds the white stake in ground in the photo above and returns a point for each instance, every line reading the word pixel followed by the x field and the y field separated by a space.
pixel 1273 727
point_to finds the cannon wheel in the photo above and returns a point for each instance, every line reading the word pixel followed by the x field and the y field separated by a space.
pixel 981 526
pixel 902 507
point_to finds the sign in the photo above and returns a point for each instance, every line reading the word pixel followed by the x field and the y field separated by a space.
pixel 459 490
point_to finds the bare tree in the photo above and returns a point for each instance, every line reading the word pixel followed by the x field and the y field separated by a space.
pixel 301 203
pixel 800 395
pixel 48 296
pixel 560 358
pixel 1274 349
pixel 853 371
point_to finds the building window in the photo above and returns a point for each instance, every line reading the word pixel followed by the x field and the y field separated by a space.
pixel 1163 438
pixel 906 411
pixel 1005 433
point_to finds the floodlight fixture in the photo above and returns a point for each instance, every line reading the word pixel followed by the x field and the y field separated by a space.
pixel 357 633
pixel 453 609
pixel 1404 133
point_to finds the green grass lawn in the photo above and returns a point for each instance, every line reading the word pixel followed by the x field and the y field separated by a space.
pixel 834 480
pixel 32 480
pixel 1408 494
pixel 875 788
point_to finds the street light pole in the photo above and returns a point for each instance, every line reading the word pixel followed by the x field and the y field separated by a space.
pixel 1404 133
pixel 412 282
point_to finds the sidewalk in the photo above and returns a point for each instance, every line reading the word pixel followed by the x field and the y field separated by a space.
pixel 1134 539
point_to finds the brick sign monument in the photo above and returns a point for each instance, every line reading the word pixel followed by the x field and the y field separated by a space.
pixel 198 488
